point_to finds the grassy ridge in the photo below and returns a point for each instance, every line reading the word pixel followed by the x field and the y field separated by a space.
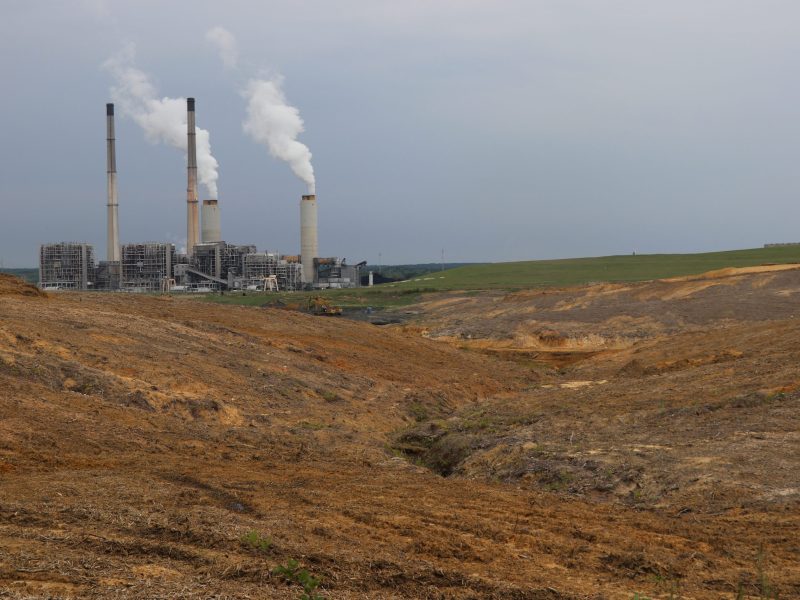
pixel 528 274
pixel 577 271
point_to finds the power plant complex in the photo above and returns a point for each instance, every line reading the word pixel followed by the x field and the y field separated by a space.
pixel 209 263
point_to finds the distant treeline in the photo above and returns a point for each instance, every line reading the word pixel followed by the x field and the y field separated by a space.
pixel 29 275
pixel 389 273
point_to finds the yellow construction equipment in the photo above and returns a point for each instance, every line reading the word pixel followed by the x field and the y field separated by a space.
pixel 320 306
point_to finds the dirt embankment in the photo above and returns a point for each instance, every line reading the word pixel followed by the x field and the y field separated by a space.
pixel 14 286
pixel 673 393
pixel 702 421
pixel 143 439
pixel 606 316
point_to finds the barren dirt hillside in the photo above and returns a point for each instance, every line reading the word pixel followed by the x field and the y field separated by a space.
pixel 680 394
pixel 159 447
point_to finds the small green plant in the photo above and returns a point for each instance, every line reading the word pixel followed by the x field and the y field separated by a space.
pixel 256 541
pixel 475 424
pixel 329 396
pixel 312 426
pixel 559 481
pixel 670 584
pixel 638 596
pixel 763 586
pixel 292 573
pixel 765 591
pixel 418 411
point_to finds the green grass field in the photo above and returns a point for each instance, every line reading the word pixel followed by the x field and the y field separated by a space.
pixel 579 271
pixel 530 274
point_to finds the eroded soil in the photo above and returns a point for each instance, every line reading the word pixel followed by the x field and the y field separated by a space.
pixel 142 437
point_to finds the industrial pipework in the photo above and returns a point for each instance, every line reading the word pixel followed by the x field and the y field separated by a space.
pixel 112 230
pixel 309 250
pixel 192 212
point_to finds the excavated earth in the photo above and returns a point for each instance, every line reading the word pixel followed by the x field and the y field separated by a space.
pixel 589 443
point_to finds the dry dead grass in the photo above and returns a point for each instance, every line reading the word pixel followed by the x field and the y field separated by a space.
pixel 141 438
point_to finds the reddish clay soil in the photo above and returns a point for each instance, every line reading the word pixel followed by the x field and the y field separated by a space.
pixel 141 438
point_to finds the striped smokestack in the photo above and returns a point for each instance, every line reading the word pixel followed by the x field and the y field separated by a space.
pixel 309 249
pixel 192 211
pixel 112 231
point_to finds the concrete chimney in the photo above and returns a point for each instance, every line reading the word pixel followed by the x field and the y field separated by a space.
pixel 192 212
pixel 112 231
pixel 309 249
pixel 211 231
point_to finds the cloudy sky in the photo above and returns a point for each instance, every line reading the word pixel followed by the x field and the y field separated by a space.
pixel 492 129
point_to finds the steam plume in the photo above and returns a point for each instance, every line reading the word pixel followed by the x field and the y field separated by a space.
pixel 163 120
pixel 271 121
pixel 226 44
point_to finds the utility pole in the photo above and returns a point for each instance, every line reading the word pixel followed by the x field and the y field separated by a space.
pixel 442 264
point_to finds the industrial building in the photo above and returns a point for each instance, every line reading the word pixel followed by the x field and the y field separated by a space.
pixel 107 275
pixel 209 263
pixel 147 267
pixel 336 273
pixel 262 269
pixel 66 266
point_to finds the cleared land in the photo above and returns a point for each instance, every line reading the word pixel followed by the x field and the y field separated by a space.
pixel 672 394
pixel 598 441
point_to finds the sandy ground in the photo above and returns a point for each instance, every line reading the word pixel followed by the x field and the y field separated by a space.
pixel 142 437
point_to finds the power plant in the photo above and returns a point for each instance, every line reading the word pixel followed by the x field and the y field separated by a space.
pixel 208 264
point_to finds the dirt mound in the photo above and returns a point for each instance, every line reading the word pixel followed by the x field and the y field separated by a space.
pixel 608 317
pixel 734 272
pixel 14 286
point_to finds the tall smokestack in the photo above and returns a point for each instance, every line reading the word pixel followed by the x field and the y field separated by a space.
pixel 112 231
pixel 192 212
pixel 309 249
pixel 211 231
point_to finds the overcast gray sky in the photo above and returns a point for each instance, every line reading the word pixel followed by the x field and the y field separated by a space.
pixel 497 130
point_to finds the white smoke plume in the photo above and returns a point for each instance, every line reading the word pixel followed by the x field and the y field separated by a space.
pixel 162 119
pixel 272 121
pixel 226 45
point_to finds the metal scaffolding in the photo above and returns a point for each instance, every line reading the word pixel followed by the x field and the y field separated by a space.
pixel 66 266
pixel 258 265
pixel 261 266
pixel 107 275
pixel 147 267
pixel 233 259
pixel 220 261
pixel 207 258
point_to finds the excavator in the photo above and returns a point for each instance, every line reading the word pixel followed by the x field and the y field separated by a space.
pixel 318 305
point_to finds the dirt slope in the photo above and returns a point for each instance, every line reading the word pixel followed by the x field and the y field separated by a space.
pixel 610 316
pixel 14 286
pixel 142 437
